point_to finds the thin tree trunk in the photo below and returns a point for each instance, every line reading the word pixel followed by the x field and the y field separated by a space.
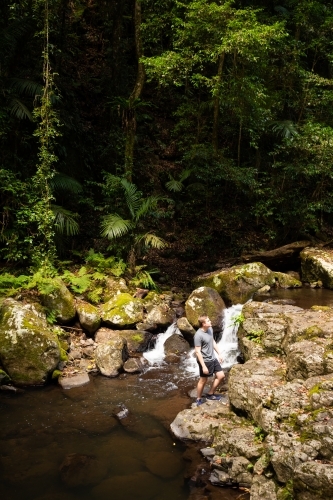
pixel 215 138
pixel 135 95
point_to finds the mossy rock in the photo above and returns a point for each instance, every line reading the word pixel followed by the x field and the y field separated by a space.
pixel 237 284
pixel 205 301
pixel 89 316
pixel 29 350
pixel 122 311
pixel 317 265
pixel 286 280
pixel 60 302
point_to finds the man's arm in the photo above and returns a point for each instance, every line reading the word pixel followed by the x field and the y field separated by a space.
pixel 217 350
pixel 200 359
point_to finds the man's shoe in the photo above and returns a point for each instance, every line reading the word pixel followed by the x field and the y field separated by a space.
pixel 199 402
pixel 213 397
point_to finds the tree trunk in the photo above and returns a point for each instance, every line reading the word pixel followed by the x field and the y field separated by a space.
pixel 215 138
pixel 130 119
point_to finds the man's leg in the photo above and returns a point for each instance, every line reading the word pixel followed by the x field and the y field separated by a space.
pixel 200 387
pixel 219 377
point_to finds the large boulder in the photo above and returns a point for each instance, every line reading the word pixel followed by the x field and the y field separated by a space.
pixel 89 316
pixel 113 287
pixel 205 301
pixel 29 350
pixel 313 481
pixel 60 302
pixel 317 265
pixel 110 356
pixel 238 283
pixel 122 311
pixel 161 315
pixel 136 340
pixel 176 344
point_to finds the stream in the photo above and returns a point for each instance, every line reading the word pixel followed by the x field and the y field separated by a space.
pixel 132 458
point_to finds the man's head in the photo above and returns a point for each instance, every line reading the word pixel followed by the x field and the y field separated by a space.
pixel 204 322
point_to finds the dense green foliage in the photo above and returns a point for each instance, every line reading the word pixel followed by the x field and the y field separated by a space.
pixel 209 122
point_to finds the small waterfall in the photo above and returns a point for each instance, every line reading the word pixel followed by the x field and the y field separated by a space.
pixel 228 344
pixel 156 355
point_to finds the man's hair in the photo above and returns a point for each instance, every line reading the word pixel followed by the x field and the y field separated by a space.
pixel 202 319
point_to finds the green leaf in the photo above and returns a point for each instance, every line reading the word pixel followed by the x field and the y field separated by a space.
pixel 114 226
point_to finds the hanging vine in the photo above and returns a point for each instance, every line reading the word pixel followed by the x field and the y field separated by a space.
pixel 44 251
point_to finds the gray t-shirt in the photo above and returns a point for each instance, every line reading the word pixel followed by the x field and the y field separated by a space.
pixel 205 341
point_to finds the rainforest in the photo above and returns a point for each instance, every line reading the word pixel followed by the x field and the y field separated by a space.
pixel 165 135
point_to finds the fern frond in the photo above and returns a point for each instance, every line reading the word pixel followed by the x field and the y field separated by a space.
pixel 65 183
pixel 64 221
pixel 151 240
pixel 114 226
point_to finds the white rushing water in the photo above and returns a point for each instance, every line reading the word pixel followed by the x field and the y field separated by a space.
pixel 156 356
pixel 228 344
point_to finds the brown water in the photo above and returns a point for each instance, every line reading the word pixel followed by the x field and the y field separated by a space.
pixel 135 458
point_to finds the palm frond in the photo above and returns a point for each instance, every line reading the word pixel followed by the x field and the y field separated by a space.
pixel 64 182
pixel 132 196
pixel 19 110
pixel 284 128
pixel 25 86
pixel 148 204
pixel 114 226
pixel 65 222
pixel 151 240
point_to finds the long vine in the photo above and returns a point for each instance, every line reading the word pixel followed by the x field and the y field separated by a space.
pixel 44 250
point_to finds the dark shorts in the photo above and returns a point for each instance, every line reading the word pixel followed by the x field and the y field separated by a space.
pixel 213 367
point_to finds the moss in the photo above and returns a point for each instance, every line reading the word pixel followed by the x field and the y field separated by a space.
pixel 56 374
pixel 286 493
pixel 137 337
pixel 321 308
pixel 315 389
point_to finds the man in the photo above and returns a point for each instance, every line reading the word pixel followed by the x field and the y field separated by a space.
pixel 205 345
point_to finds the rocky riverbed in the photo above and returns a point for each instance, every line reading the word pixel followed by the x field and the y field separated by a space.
pixel 274 435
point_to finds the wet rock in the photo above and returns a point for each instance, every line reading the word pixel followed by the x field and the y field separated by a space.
pixel 317 264
pixel 133 365
pixel 205 301
pixel 149 327
pixel 186 329
pixel 29 350
pixel 89 316
pixel 122 311
pixel 176 344
pixel 81 470
pixel 74 381
pixel 163 464
pixel 238 283
pixel 283 280
pixel 60 301
pixel 110 356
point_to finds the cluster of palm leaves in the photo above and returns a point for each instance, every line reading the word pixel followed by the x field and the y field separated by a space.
pixel 138 208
